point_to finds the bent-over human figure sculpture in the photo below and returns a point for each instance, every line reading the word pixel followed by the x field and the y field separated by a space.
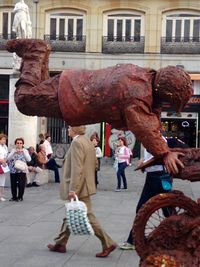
pixel 126 96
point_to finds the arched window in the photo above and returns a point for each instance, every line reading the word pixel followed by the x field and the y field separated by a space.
pixel 181 26
pixel 66 25
pixel 123 26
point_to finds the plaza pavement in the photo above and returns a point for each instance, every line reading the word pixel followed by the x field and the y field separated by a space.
pixel 27 227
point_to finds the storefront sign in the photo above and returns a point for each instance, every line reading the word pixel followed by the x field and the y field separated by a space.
pixel 191 106
pixel 194 100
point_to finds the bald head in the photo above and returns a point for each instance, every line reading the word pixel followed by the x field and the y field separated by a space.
pixel 76 130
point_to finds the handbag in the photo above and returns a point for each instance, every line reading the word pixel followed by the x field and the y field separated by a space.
pixel 4 169
pixel 166 181
pixel 115 164
pixel 21 165
pixel 77 220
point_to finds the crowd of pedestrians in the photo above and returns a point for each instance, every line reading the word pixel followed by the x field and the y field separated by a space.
pixel 21 164
pixel 80 177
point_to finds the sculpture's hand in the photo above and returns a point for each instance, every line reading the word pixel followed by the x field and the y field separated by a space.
pixel 172 162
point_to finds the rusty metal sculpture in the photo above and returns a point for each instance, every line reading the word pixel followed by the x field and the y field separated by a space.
pixel 167 228
pixel 125 96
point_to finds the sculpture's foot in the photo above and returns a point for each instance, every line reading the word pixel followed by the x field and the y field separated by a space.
pixel 23 47
pixel 35 59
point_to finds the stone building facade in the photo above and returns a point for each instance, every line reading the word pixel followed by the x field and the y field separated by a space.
pixel 95 34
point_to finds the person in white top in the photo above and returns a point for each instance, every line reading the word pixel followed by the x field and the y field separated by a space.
pixel 152 187
pixel 155 183
pixel 3 155
pixel 123 156
pixel 47 145
pixel 99 155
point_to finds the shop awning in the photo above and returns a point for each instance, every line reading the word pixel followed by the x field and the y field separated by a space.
pixel 195 76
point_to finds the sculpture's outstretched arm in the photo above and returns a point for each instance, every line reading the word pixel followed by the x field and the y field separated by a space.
pixel 190 160
pixel 146 127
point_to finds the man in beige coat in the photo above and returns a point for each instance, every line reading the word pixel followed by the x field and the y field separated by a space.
pixel 79 178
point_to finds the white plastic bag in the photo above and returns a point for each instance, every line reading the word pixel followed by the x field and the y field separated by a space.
pixel 77 220
pixel 115 164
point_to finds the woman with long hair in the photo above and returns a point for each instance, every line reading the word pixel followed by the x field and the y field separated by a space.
pixel 123 156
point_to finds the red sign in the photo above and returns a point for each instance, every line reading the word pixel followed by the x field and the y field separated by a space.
pixel 194 100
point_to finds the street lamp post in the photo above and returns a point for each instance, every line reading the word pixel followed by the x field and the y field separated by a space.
pixel 36 2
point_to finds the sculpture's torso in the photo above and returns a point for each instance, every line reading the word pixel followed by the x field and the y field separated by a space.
pixel 103 95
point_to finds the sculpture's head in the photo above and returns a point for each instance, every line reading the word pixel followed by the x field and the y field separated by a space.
pixel 173 84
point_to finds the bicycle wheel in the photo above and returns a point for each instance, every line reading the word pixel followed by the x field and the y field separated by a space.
pixel 152 213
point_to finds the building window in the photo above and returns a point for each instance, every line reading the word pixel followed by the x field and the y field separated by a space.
pixel 6 21
pixel 181 27
pixel 57 129
pixel 123 26
pixel 66 26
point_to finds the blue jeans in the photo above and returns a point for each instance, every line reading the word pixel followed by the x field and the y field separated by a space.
pixel 121 174
pixel 52 165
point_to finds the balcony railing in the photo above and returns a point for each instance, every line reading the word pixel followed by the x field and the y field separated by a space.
pixel 125 44
pixel 180 45
pixel 66 43
pixel 4 38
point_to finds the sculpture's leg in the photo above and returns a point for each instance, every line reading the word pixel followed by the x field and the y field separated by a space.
pixel 22 27
pixel 33 96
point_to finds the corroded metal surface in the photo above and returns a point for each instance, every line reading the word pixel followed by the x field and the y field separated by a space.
pixel 160 260
pixel 177 234
pixel 191 161
pixel 126 96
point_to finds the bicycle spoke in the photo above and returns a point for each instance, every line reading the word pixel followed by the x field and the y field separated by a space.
pixel 153 222
pixel 158 216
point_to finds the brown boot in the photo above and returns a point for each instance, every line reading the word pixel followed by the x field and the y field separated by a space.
pixel 34 86
pixel 35 59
